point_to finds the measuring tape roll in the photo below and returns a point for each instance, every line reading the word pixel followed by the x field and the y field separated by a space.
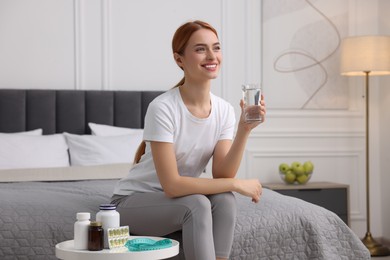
pixel 146 244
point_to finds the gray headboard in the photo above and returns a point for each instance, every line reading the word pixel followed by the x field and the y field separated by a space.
pixel 57 111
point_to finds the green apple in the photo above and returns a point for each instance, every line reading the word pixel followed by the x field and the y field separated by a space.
pixel 290 177
pixel 302 179
pixel 284 167
pixel 298 168
pixel 295 164
pixel 308 166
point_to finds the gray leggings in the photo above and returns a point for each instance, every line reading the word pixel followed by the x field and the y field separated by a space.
pixel 207 222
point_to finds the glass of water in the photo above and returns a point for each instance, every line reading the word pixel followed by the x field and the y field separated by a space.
pixel 252 95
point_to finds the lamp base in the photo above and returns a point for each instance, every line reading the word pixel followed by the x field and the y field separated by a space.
pixel 375 248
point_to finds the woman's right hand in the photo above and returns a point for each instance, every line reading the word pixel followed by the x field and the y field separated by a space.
pixel 249 187
pixel 251 124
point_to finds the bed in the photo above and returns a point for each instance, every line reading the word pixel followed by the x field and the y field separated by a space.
pixel 75 132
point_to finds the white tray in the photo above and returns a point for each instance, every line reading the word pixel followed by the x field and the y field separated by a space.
pixel 65 250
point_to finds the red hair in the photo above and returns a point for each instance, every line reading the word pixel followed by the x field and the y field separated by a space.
pixel 179 43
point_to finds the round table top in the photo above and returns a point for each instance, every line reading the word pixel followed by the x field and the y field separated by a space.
pixel 65 250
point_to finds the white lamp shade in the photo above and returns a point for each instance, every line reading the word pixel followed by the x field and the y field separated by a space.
pixel 361 54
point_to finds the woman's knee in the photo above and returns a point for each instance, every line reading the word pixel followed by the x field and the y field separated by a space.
pixel 198 212
pixel 199 204
pixel 226 199
pixel 224 204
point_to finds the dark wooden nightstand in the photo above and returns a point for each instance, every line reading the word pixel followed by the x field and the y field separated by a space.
pixel 332 196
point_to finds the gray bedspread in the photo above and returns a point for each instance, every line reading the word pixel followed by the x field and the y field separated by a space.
pixel 34 216
pixel 283 227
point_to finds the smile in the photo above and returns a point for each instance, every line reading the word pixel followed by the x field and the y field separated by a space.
pixel 210 66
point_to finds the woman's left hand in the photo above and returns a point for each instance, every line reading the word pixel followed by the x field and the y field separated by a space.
pixel 249 125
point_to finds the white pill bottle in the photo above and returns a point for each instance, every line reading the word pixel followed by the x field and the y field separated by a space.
pixel 109 218
pixel 81 230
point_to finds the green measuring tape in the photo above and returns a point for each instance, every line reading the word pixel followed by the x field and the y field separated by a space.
pixel 146 244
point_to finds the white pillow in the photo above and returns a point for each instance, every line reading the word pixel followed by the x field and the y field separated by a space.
pixel 31 132
pixel 108 130
pixel 96 150
pixel 29 151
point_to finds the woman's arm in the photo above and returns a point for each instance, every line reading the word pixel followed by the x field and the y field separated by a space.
pixel 175 185
pixel 227 155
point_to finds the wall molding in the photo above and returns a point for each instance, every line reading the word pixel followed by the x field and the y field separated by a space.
pixel 319 133
pixel 248 43
pixel 252 41
pixel 78 43
pixel 283 113
pixel 265 153
pixel 224 39
pixel 106 45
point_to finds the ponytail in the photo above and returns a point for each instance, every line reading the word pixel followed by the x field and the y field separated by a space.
pixel 142 145
pixel 181 82
pixel 140 152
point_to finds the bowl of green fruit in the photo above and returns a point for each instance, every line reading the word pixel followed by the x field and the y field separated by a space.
pixel 296 172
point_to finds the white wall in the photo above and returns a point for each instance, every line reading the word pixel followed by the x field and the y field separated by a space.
pixel 125 45
pixel 37 44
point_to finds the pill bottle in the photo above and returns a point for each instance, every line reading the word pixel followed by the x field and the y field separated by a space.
pixel 95 236
pixel 109 218
pixel 81 230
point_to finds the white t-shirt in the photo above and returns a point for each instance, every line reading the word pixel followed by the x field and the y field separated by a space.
pixel 168 120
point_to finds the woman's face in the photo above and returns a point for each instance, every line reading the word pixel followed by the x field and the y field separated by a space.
pixel 202 56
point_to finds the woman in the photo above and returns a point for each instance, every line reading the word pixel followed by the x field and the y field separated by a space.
pixel 184 128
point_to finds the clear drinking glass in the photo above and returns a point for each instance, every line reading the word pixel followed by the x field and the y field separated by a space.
pixel 252 95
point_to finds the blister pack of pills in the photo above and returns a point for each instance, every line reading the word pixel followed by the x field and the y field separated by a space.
pixel 117 237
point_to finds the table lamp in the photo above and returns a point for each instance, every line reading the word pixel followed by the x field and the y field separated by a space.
pixel 367 56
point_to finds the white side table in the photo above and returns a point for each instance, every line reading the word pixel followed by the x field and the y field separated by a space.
pixel 65 250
